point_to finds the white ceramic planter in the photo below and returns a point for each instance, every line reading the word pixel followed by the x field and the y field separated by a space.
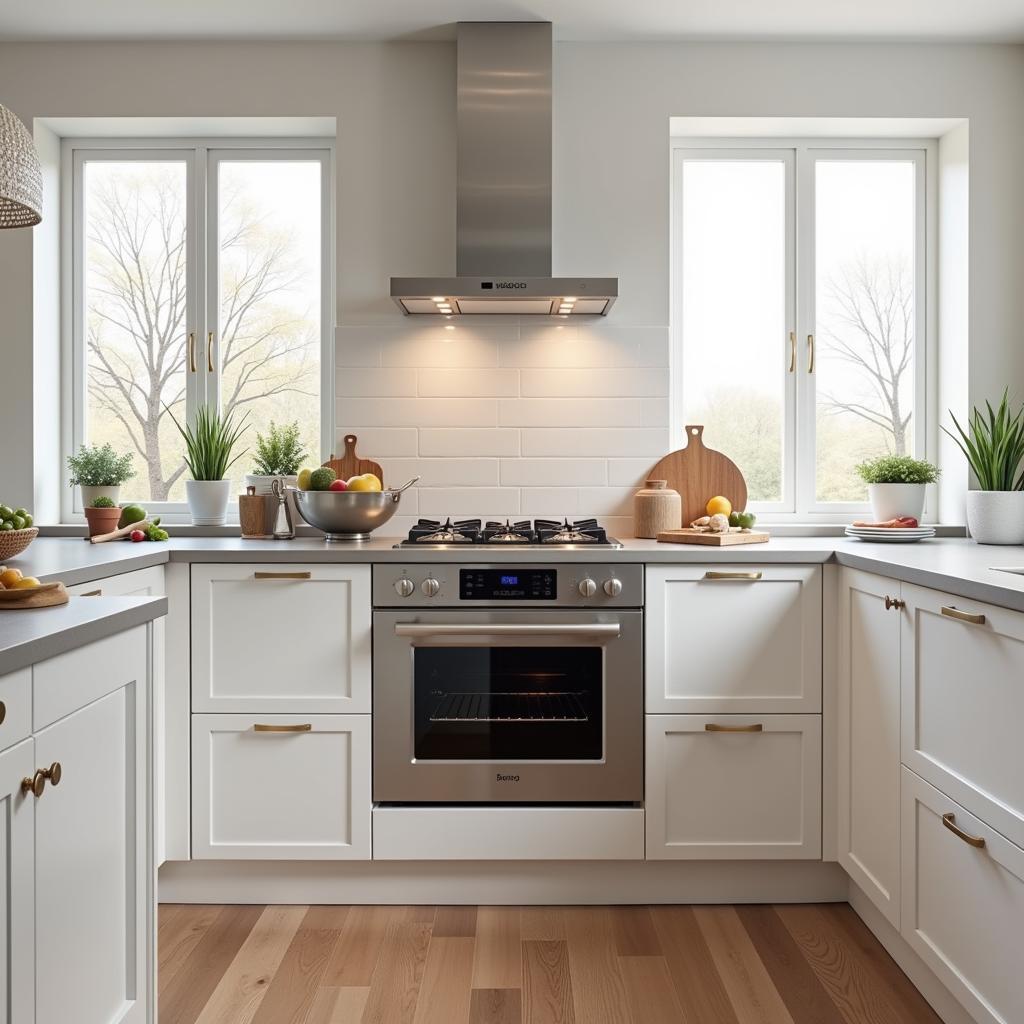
pixel 208 501
pixel 90 494
pixel 996 517
pixel 889 501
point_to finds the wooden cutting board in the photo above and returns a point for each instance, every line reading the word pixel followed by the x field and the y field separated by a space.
pixel 700 473
pixel 716 540
pixel 350 464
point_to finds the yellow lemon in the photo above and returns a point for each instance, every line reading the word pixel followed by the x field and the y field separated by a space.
pixel 718 506
pixel 364 482
pixel 25 583
pixel 303 480
pixel 9 577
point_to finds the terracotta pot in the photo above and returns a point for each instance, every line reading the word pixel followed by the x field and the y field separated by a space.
pixel 102 520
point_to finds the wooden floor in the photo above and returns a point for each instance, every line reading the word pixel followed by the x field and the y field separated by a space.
pixel 808 964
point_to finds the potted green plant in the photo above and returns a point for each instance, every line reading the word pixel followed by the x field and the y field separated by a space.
pixel 209 443
pixel 279 455
pixel 993 445
pixel 102 515
pixel 99 472
pixel 896 485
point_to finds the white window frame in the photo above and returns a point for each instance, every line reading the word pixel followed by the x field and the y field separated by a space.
pixel 799 503
pixel 202 157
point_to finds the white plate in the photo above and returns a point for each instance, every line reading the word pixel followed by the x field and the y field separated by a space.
pixel 891 537
pixel 855 531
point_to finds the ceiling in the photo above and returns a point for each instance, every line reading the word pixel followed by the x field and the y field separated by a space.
pixel 979 20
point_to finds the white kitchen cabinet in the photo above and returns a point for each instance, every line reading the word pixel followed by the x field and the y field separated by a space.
pixel 868 735
pixel 290 639
pixel 281 787
pixel 963 902
pixel 730 787
pixel 963 702
pixel 15 707
pixel 733 638
pixel 17 888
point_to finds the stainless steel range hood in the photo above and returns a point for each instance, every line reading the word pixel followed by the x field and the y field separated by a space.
pixel 503 208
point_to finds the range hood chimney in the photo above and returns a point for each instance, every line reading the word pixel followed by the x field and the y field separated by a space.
pixel 503 203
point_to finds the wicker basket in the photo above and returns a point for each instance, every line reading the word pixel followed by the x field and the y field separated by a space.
pixel 13 542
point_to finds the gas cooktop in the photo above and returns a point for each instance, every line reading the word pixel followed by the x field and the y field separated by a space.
pixel 524 533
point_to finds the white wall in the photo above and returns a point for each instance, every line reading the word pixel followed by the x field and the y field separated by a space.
pixel 472 399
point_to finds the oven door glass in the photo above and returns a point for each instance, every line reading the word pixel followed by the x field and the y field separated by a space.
pixel 508 703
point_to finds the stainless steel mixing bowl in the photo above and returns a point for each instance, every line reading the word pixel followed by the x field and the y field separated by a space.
pixel 348 515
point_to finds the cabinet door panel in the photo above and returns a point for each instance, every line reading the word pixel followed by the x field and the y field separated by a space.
pixel 743 645
pixel 281 638
pixel 869 737
pixel 15 707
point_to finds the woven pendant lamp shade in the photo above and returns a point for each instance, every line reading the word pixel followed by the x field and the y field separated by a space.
pixel 21 181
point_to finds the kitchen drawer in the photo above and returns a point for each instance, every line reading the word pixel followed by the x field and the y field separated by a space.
pixel 733 795
pixel 15 707
pixel 963 906
pixel 290 639
pixel 138 583
pixel 733 639
pixel 963 703
pixel 299 791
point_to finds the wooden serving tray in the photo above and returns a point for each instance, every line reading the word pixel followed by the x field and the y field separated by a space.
pixel 715 540
pixel 44 596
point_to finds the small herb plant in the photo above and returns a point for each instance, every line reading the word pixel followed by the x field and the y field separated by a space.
pixel 280 453
pixel 103 502
pixel 897 469
pixel 210 441
pixel 97 466
pixel 993 445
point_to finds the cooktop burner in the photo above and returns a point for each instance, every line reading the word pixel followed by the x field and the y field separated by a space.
pixel 524 533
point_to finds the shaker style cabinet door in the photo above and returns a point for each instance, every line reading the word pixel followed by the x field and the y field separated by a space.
pixel 868 747
pixel 742 639
pixel 290 639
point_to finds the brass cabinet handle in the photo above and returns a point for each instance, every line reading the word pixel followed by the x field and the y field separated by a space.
pixel 3 712
pixel 715 727
pixel 282 575
pixel 34 785
pixel 263 727
pixel 792 351
pixel 955 613
pixel 192 351
pixel 92 593
pixel 712 575
pixel 53 774
pixel 810 353
pixel 894 602
pixel 949 820
pixel 209 351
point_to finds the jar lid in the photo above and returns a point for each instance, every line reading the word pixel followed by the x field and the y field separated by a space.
pixel 656 485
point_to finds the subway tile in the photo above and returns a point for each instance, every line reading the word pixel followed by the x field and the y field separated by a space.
pixel 437 346
pixel 586 346
pixel 654 413
pixel 606 501
pixel 629 472
pixel 457 441
pixel 443 472
pixel 550 502
pixel 375 381
pixel 434 412
pixel 552 472
pixel 455 382
pixel 379 442
pixel 593 382
pixel 357 346
pixel 469 501
pixel 595 442
pixel 570 412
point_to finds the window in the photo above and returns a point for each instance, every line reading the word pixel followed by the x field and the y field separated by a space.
pixel 800 299
pixel 198 275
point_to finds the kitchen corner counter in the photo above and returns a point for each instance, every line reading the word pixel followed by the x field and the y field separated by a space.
pixel 28 636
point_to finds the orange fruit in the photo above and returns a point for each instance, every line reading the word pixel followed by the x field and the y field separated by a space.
pixel 718 506
pixel 25 583
pixel 10 577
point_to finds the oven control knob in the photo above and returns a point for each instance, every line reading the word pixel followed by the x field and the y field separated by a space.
pixel 404 587
pixel 587 588
pixel 430 586
pixel 612 587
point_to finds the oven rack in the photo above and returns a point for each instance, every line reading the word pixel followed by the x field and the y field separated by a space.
pixel 456 706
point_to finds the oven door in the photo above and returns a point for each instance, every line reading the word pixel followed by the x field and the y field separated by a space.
pixel 508 706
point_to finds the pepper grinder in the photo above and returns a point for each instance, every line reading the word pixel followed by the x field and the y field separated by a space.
pixel 283 526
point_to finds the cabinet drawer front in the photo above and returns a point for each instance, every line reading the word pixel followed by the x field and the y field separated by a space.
pixel 140 583
pixel 963 906
pixel 299 789
pixel 963 704
pixel 281 638
pixel 16 707
pixel 750 642
pixel 733 794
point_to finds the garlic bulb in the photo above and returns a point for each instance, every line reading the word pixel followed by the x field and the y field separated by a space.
pixel 719 523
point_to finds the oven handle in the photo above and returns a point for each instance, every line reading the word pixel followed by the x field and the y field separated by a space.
pixel 483 631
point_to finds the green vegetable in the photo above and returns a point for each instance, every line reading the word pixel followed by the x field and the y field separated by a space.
pixel 6 525
pixel 745 520
pixel 897 469
pixel 19 522
pixel 131 514
pixel 103 502
pixel 280 453
pixel 734 519
pixel 100 467
pixel 993 446
pixel 6 511
pixel 322 478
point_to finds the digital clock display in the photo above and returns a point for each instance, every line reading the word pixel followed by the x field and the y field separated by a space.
pixel 509 581
pixel 501 585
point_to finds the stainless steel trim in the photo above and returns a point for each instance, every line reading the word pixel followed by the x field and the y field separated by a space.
pixel 492 631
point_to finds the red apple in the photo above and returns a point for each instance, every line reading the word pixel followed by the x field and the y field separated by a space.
pixel 338 485
pixel 136 536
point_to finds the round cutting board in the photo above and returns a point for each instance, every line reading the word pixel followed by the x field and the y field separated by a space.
pixel 700 473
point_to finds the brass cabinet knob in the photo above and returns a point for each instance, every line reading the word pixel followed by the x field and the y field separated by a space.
pixel 894 602
pixel 34 785
pixel 53 774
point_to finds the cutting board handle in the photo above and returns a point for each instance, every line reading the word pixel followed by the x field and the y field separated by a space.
pixel 350 445
pixel 694 435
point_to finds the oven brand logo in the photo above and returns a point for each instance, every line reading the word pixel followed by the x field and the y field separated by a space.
pixel 507 778
pixel 510 284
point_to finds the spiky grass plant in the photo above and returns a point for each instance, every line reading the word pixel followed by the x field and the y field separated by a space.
pixel 993 445
pixel 210 441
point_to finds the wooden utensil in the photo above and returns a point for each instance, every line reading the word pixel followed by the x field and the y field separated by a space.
pixel 700 473
pixel 124 531
pixel 716 540
pixel 252 515
pixel 350 464
pixel 43 596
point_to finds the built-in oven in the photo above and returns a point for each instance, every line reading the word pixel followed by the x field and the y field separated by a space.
pixel 501 684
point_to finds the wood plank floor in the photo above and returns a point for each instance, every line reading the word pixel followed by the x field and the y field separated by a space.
pixel 804 964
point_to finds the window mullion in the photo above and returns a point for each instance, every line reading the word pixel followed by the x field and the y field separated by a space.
pixel 805 285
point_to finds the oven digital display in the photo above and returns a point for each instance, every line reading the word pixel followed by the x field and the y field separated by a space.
pixel 501 585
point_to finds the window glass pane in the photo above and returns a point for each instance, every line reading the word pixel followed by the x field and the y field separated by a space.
pixel 268 346
pixel 865 311
pixel 734 313
pixel 134 317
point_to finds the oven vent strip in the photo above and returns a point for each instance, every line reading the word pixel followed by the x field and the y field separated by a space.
pixel 532 707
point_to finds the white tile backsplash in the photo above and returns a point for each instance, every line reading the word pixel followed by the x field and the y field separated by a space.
pixel 505 418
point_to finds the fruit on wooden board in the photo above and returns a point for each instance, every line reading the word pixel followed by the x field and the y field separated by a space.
pixel 25 583
pixel 718 506
pixel 8 577
pixel 743 520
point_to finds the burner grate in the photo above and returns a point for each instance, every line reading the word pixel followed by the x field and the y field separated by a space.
pixel 454 706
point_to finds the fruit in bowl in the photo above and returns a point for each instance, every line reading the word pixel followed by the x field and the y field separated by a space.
pixel 14 518
pixel 365 482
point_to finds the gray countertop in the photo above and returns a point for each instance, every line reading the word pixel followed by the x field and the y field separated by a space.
pixel 28 636
pixel 955 565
